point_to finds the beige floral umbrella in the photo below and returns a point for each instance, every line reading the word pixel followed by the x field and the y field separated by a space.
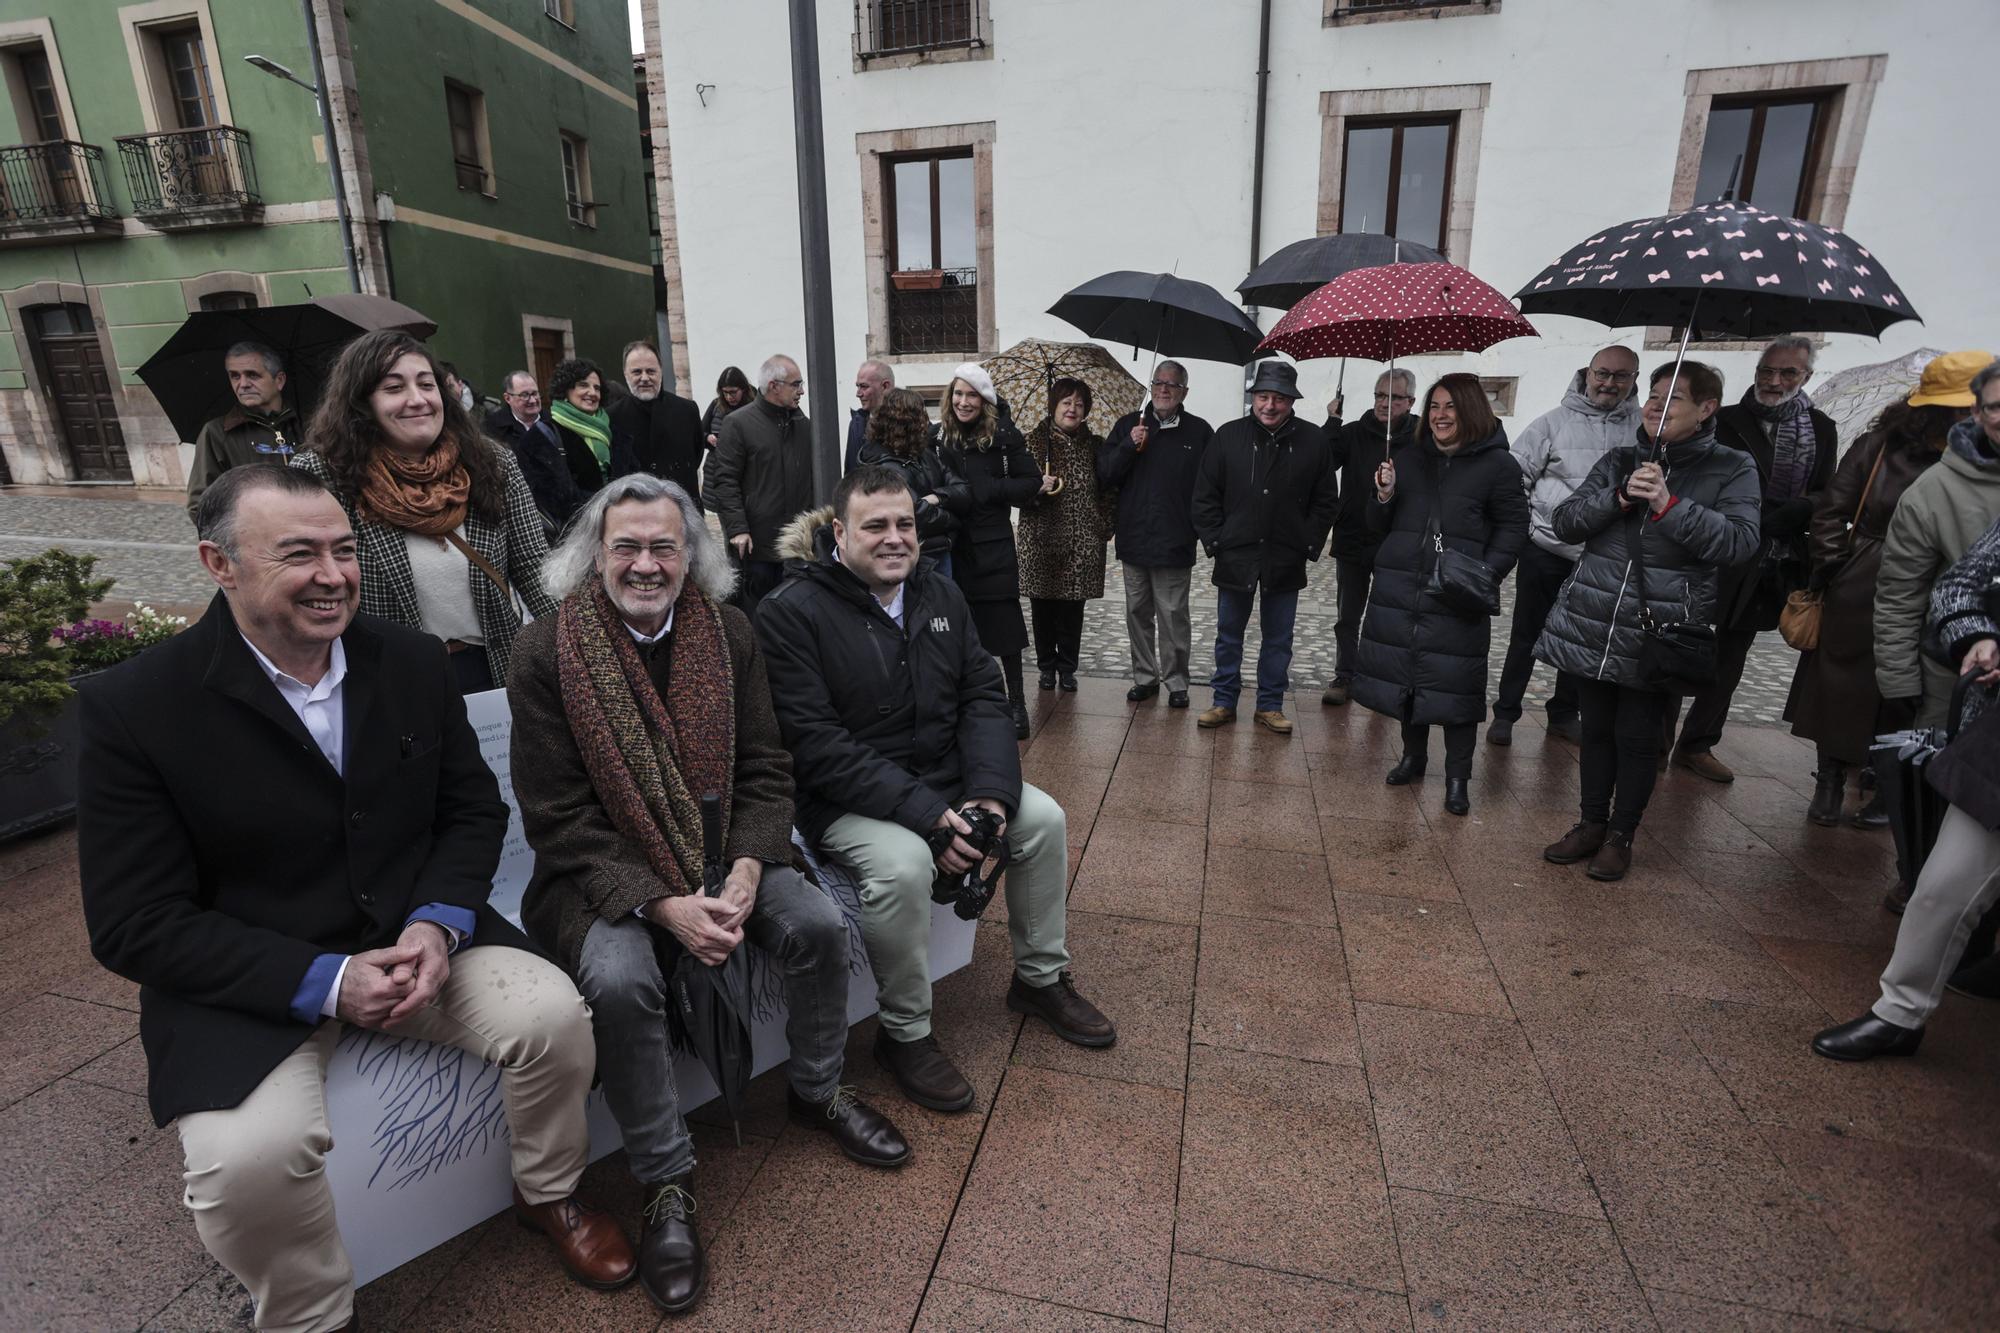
pixel 1023 373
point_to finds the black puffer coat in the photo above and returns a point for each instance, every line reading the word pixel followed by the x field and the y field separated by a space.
pixel 1263 503
pixel 1358 449
pixel 1593 630
pixel 928 474
pixel 1420 661
pixel 889 722
pixel 999 478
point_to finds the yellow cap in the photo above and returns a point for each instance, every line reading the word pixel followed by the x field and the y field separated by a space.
pixel 1947 380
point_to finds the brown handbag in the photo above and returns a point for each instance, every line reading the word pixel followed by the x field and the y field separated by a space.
pixel 1798 623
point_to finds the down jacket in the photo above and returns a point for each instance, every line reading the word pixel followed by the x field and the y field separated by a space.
pixel 1155 488
pixel 1593 630
pixel 886 721
pixel 928 474
pixel 1419 660
pixel 1943 513
pixel 1560 447
pixel 1264 502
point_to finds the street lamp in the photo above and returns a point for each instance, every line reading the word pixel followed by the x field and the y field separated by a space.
pixel 276 70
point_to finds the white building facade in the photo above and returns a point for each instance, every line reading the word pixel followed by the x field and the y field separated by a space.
pixel 985 156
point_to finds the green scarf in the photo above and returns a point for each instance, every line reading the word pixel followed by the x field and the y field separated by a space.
pixel 595 427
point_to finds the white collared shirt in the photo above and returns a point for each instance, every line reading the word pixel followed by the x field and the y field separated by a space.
pixel 321 707
pixel 894 606
pixel 648 640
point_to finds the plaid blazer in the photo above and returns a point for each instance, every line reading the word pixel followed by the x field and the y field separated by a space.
pixel 389 590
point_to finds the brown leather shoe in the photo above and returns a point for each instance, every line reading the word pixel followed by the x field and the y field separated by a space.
pixel 1705 765
pixel 924 1073
pixel 1575 845
pixel 1074 1018
pixel 1216 717
pixel 593 1248
pixel 1275 720
pixel 1613 859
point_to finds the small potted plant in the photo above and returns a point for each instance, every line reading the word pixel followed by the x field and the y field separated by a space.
pixel 47 641
pixel 918 279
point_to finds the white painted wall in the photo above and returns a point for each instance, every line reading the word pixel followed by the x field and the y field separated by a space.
pixel 1124 140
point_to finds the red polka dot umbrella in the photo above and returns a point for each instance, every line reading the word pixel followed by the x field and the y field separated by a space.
pixel 1392 310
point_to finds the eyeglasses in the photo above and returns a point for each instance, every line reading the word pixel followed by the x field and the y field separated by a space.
pixel 524 395
pixel 1167 384
pixel 1395 398
pixel 1614 376
pixel 790 384
pixel 1786 373
pixel 1989 409
pixel 664 552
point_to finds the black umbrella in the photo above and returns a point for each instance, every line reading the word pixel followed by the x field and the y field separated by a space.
pixel 186 374
pixel 1303 267
pixel 712 1004
pixel 1172 316
pixel 1724 270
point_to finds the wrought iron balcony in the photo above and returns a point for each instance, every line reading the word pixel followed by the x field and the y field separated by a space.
pixel 934 311
pixel 907 27
pixel 192 178
pixel 54 191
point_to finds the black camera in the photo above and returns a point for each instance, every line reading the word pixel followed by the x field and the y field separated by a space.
pixel 968 891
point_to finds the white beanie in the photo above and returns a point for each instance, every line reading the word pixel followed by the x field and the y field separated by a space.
pixel 975 375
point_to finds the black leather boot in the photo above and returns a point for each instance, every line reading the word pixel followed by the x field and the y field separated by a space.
pixel 672 1269
pixel 1829 794
pixel 1457 797
pixel 1408 769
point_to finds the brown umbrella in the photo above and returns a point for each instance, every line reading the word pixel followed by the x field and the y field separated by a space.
pixel 1023 373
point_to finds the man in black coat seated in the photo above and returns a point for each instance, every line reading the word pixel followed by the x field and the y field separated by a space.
pixel 1795 446
pixel 661 429
pixel 338 874
pixel 898 724
pixel 522 426
pixel 1152 457
pixel 1263 505
pixel 1360 447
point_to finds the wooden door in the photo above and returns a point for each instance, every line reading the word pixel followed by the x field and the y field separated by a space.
pixel 80 388
pixel 548 345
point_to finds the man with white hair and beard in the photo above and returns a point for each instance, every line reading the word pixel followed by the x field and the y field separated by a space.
pixel 644 693
pixel 1794 445
pixel 661 428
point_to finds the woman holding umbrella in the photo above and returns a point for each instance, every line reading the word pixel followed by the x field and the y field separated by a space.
pixel 1455 517
pixel 987 450
pixel 445 528
pixel 1658 522
pixel 1063 533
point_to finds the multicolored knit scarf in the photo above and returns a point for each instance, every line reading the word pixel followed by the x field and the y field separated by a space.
pixel 594 427
pixel 651 760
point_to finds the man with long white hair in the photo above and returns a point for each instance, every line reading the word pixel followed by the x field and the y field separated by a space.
pixel 644 693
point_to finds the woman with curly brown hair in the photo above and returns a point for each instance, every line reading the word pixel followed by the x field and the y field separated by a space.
pixel 445 528
pixel 1063 533
pixel 899 437
pixel 576 409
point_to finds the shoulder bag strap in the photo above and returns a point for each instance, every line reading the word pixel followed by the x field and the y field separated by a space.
pixel 485 565
pixel 1866 487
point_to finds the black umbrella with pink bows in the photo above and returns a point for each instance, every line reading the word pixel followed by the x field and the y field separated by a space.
pixel 1721 270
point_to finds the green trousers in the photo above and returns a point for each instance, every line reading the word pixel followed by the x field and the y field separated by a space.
pixel 894 869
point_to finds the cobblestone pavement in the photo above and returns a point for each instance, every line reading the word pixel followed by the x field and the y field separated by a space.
pixel 149 549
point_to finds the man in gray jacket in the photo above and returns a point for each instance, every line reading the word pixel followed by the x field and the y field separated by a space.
pixel 759 476
pixel 1556 452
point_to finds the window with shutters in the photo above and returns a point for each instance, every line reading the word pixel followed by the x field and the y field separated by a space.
pixel 471 150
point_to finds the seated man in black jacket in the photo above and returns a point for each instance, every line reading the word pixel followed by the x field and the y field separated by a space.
pixel 522 427
pixel 898 723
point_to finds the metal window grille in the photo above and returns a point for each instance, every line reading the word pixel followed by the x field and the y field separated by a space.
pixel 184 171
pixel 897 27
pixel 942 319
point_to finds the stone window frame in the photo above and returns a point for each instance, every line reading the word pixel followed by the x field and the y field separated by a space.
pixel 557 323
pixel 134 23
pixel 870 148
pixel 1342 14
pixel 1500 391
pixel 21 33
pixel 224 280
pixel 980 48
pixel 1849 83
pixel 1468 101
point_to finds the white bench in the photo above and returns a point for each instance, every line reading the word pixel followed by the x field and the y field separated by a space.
pixel 420 1136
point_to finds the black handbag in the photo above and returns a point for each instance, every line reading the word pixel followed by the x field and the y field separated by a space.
pixel 1675 656
pixel 1463 583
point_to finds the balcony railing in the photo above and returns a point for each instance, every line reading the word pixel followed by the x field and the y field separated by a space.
pixel 903 27
pixel 934 311
pixel 54 189
pixel 192 178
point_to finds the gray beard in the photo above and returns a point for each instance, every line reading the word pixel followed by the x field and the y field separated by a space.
pixel 645 397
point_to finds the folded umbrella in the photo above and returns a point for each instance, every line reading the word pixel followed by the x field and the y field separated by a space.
pixel 1303 267
pixel 1171 316
pixel 187 377
pixel 712 1003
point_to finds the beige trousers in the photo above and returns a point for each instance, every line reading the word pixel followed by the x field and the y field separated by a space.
pixel 1959 881
pixel 256 1173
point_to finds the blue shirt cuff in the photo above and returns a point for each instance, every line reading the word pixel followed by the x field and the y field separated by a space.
pixel 460 921
pixel 310 998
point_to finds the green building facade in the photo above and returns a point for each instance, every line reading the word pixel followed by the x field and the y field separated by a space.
pixel 491 157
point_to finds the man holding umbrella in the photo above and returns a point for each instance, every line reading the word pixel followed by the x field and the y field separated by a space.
pixel 1359 449
pixel 261 428
pixel 1263 505
pixel 643 694
pixel 1151 457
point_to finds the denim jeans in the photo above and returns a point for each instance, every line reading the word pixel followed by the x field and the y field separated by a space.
pixel 805 935
pixel 1274 652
